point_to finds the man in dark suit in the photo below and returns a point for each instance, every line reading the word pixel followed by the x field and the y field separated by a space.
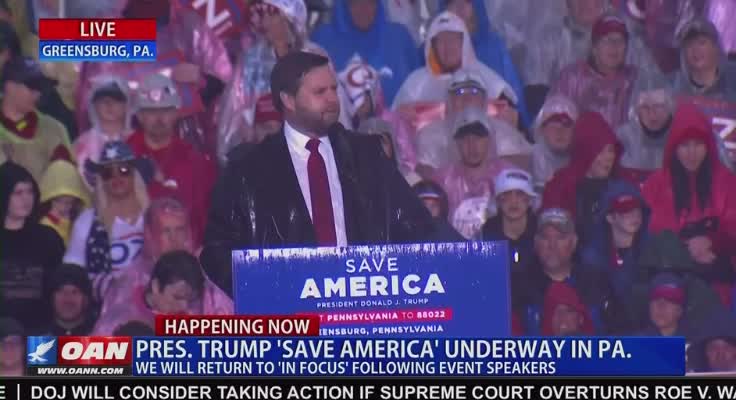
pixel 313 184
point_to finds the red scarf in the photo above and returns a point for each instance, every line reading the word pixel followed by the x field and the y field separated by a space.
pixel 25 128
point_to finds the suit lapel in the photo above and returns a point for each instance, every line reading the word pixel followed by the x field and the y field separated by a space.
pixel 291 215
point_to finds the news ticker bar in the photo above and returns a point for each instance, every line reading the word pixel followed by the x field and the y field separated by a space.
pixel 100 51
pixel 368 389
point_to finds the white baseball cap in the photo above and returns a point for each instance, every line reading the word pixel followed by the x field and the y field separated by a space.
pixel 514 179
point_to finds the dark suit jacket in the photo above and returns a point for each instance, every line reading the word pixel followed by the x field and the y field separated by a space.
pixel 258 203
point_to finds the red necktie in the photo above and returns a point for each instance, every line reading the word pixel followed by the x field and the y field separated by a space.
pixel 319 190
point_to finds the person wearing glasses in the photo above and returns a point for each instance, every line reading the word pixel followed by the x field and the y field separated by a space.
pixel 108 238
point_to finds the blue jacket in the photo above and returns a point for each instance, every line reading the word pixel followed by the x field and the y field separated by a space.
pixel 386 46
pixel 597 253
pixel 491 51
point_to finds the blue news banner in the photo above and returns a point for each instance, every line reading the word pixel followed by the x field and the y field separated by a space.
pixel 408 357
pixel 97 50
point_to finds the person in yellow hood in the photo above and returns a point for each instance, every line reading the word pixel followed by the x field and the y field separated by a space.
pixel 63 196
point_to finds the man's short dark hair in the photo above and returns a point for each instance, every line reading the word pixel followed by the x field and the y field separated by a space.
pixel 178 266
pixel 473 128
pixel 288 73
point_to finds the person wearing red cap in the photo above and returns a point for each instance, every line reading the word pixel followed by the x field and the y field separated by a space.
pixel 667 300
pixel 564 313
pixel 558 42
pixel 593 164
pixel 602 82
pixel 616 241
pixel 694 196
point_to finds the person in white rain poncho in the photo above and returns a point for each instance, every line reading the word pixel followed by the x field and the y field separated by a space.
pixel 648 129
pixel 646 133
pixel 447 49
pixel 469 178
pixel 280 26
pixel 468 90
pixel 110 113
pixel 704 68
pixel 553 134
pixel 555 44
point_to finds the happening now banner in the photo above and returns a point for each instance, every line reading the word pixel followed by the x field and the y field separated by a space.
pixel 418 290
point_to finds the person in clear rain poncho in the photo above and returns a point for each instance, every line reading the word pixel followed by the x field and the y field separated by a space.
pixel 488 45
pixel 188 52
pixel 556 44
pixel 553 137
pixel 279 27
pixel 469 179
pixel 448 48
pixel 602 82
pixel 644 136
pixel 704 68
pixel 110 113
pixel 469 89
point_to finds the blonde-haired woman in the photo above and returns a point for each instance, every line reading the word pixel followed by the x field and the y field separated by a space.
pixel 108 238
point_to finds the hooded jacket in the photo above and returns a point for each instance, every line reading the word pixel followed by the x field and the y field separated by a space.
pixel 725 86
pixel 61 179
pixel 622 268
pixel 396 55
pixel 642 151
pixel 24 269
pixel 592 134
pixel 690 122
pixel 559 293
pixel 545 161
pixel 90 143
pixel 491 50
pixel 429 84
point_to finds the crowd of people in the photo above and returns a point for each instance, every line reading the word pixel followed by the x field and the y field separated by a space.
pixel 586 140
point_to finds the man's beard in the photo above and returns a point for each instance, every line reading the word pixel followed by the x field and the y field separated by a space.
pixel 315 122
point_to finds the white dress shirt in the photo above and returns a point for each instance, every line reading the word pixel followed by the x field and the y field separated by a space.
pixel 297 143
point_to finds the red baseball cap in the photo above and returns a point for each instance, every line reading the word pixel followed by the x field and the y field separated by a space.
pixel 608 24
pixel 625 203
